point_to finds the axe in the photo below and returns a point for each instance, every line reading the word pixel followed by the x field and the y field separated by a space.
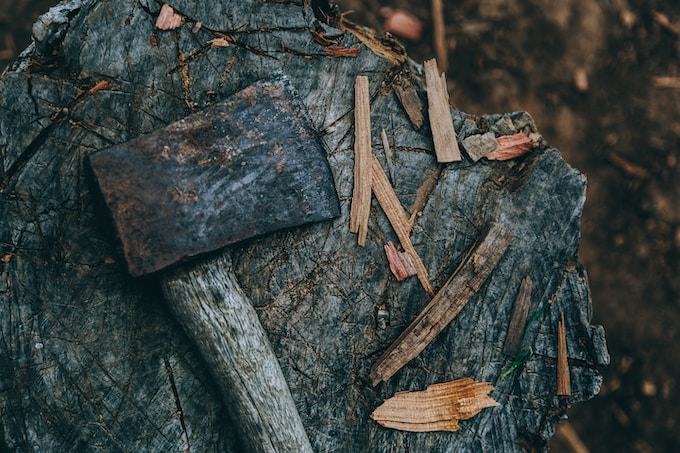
pixel 244 167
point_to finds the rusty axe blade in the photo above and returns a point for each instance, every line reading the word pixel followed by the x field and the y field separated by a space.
pixel 250 165
pixel 246 166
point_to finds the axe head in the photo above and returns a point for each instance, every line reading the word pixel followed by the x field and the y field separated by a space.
pixel 247 166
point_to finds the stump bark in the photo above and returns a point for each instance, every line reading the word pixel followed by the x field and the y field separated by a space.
pixel 91 359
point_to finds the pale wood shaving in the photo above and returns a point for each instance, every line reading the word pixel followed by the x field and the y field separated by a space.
pixel 441 123
pixel 399 220
pixel 361 194
pixel 438 408
pixel 168 19
pixel 563 378
pixel 445 306
pixel 218 42
pixel 511 146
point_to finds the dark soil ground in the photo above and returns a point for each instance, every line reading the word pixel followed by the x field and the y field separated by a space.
pixel 623 132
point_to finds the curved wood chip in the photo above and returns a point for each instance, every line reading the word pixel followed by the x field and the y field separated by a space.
pixel 438 408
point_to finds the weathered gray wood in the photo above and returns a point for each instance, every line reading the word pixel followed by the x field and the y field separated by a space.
pixel 221 322
pixel 91 360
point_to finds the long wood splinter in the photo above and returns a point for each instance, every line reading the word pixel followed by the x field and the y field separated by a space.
pixel 398 219
pixel 361 194
pixel 563 379
pixel 445 306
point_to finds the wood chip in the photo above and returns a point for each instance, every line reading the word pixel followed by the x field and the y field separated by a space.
pixel 168 19
pixel 99 86
pixel 518 320
pixel 511 146
pixel 438 408
pixel 218 42
pixel 479 145
pixel 441 123
pixel 563 379
pixel 445 306
pixel 410 101
pixel 399 220
pixel 361 195
pixel 400 263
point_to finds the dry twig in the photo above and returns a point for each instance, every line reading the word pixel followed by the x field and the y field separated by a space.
pixel 441 50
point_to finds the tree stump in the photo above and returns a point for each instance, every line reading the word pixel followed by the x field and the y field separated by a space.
pixel 91 359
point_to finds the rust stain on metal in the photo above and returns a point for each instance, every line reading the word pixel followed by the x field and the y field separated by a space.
pixel 246 166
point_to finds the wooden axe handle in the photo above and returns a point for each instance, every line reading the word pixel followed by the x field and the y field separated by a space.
pixel 208 302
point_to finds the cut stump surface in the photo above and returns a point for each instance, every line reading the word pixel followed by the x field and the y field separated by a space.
pixel 90 357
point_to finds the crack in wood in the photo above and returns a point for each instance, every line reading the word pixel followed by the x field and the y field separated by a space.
pixel 178 403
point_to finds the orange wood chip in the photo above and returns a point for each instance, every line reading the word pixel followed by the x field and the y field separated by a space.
pixel 438 408
pixel 401 263
pixel 511 146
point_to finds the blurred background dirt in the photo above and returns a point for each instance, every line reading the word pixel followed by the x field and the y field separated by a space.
pixel 601 80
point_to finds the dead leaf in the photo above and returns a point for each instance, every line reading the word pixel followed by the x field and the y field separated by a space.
pixel 438 408
pixel 6 259
pixel 168 19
